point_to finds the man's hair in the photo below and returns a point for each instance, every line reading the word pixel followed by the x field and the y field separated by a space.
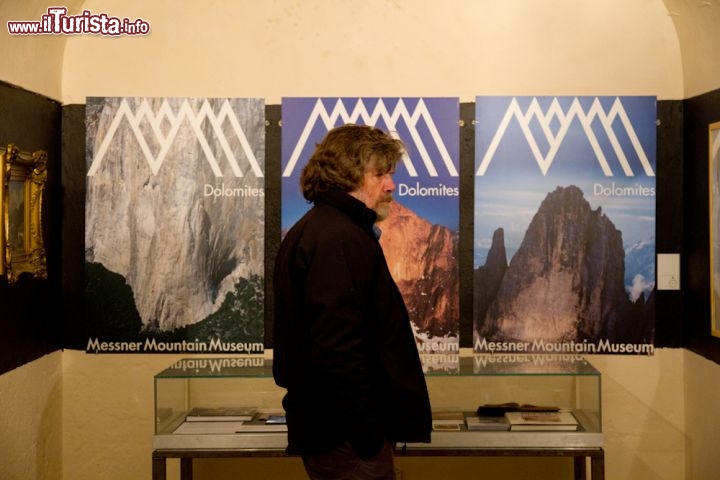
pixel 341 158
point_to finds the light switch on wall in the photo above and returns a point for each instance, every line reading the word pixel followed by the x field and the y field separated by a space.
pixel 668 271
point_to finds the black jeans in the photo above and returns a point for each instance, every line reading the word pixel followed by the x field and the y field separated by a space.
pixel 343 463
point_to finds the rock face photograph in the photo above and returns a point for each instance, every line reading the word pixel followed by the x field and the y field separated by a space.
pixel 423 262
pixel 564 213
pixel 564 284
pixel 174 224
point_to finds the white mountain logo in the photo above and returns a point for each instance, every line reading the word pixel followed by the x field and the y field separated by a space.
pixel 555 115
pixel 165 115
pixel 361 115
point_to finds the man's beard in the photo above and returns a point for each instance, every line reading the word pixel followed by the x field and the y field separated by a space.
pixel 383 209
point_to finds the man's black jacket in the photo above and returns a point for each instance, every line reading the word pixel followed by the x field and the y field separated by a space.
pixel 343 344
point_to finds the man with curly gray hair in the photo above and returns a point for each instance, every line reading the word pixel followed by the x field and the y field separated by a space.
pixel 343 344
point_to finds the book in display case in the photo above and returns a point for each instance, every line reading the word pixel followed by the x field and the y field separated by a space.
pixel 477 401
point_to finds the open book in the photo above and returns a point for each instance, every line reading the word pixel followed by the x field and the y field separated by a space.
pixel 530 421
pixel 221 414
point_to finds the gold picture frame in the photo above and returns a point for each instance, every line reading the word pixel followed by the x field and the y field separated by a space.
pixel 714 194
pixel 22 181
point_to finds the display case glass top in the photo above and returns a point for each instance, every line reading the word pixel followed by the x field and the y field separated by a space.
pixel 243 367
pixel 502 364
pixel 434 365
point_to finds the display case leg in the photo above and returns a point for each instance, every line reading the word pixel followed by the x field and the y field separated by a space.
pixel 186 471
pixel 158 468
pixel 597 467
pixel 579 468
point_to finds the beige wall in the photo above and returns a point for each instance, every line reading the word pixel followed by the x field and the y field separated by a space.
pixel 394 47
pixel 643 415
pixel 655 413
pixel 34 63
pixel 31 418
pixel 701 387
pixel 101 406
pixel 108 424
pixel 380 47
pixel 696 22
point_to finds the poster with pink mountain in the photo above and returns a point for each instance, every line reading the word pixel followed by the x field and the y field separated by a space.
pixel 420 237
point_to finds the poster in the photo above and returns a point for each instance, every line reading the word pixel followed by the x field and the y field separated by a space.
pixel 420 237
pixel 174 225
pixel 714 194
pixel 564 255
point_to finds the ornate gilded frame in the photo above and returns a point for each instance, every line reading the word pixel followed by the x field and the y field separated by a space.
pixel 714 181
pixel 22 181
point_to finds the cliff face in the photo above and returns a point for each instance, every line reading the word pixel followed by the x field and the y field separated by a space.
pixel 423 261
pixel 178 248
pixel 566 280
pixel 487 279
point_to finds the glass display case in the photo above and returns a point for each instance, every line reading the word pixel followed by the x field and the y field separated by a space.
pixel 458 385
pixel 487 384
pixel 215 383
